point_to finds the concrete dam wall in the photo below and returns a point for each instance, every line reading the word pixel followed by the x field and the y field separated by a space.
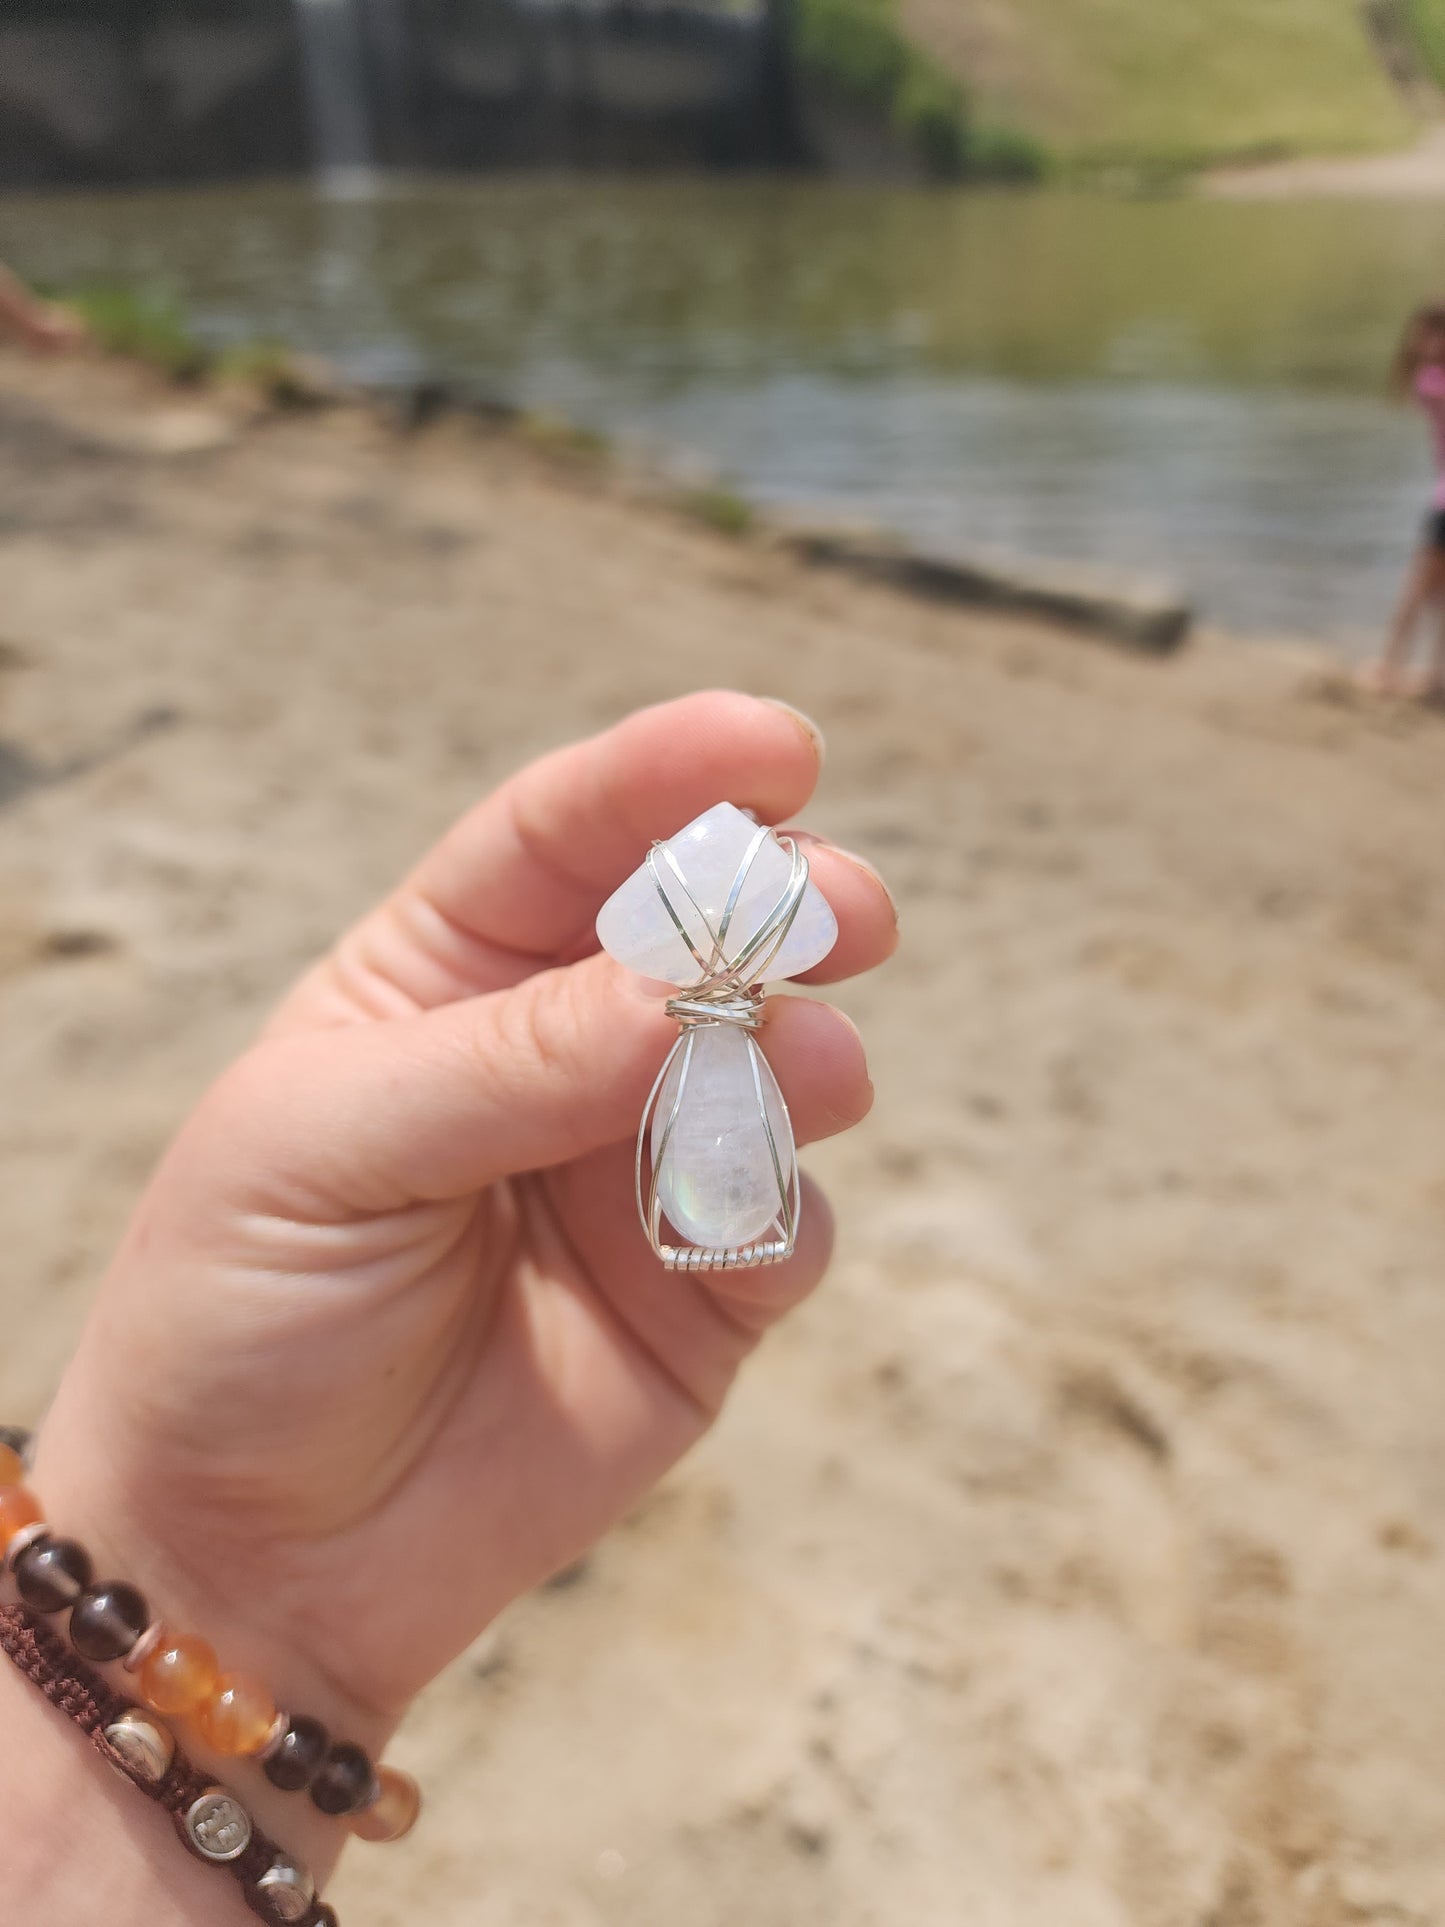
pixel 115 91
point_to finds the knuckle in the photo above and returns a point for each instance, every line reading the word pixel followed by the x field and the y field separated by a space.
pixel 540 1027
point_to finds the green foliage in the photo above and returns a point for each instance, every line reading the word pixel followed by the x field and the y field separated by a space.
pixel 928 107
pixel 145 323
pixel 857 44
pixel 859 47
pixel 1426 22
pixel 1004 153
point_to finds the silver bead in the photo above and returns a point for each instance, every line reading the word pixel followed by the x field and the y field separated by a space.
pixel 218 1826
pixel 144 1646
pixel 287 1889
pixel 144 1746
pixel 26 1536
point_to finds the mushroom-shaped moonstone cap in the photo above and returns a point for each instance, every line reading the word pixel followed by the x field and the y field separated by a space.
pixel 634 927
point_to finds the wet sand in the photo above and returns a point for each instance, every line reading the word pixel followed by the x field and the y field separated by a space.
pixel 1077 1559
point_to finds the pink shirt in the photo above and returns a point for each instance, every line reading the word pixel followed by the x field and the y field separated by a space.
pixel 1430 393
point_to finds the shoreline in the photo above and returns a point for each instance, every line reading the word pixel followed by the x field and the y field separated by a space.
pixel 248 381
pixel 129 408
pixel 1109 413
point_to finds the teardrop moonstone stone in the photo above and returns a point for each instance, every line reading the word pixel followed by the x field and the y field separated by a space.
pixel 718 1184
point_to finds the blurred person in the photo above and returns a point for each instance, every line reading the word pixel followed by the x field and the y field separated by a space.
pixel 1419 373
pixel 43 326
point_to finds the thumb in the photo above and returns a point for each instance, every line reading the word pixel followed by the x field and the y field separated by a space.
pixel 373 1117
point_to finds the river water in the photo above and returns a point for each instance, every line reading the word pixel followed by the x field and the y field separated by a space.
pixel 1185 388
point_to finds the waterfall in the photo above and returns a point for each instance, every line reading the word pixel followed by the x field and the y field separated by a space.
pixel 335 69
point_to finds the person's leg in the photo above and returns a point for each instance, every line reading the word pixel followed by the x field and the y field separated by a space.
pixel 1432 689
pixel 1388 673
pixel 1430 686
pixel 1424 588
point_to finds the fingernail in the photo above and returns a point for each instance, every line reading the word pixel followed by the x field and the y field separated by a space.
pixel 862 863
pixel 809 728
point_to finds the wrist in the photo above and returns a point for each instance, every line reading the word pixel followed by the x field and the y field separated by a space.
pixel 77 1841
pixel 84 1496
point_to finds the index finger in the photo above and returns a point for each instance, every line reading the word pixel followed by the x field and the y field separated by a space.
pixel 515 885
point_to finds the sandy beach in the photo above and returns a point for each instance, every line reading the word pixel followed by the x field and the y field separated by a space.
pixel 1077 1559
pixel 1413 173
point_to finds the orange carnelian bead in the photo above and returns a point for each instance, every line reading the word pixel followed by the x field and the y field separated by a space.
pixel 12 1469
pixel 238 1716
pixel 178 1673
pixel 393 1813
pixel 19 1508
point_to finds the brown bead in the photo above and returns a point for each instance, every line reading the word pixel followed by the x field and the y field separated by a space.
pixel 346 1780
pixel 178 1674
pixel 107 1620
pixel 12 1466
pixel 19 1507
pixel 393 1813
pixel 286 1890
pixel 298 1755
pixel 238 1716
pixel 51 1574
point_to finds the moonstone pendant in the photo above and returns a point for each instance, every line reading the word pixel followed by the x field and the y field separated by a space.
pixel 717 910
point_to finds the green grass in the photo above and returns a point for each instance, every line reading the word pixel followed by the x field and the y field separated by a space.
pixel 556 435
pixel 1167 85
pixel 144 324
pixel 1426 22
pixel 720 509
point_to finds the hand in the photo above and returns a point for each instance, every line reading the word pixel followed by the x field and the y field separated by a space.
pixel 53 329
pixel 48 327
pixel 385 1345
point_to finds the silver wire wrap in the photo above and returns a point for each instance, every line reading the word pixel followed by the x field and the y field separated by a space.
pixel 727 992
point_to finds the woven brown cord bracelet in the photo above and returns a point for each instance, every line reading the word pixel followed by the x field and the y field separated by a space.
pixel 211 1823
pixel 178 1675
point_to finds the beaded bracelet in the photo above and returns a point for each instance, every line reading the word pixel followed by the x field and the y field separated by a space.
pixel 211 1821
pixel 178 1675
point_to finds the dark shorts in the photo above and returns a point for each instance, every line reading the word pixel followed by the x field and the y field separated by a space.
pixel 1435 530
